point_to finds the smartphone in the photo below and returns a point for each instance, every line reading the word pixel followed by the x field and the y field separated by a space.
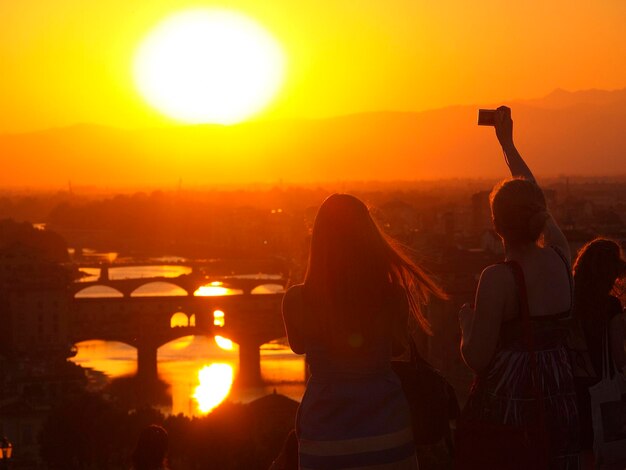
pixel 486 117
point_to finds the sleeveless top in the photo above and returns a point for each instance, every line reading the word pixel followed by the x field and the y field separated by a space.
pixel 504 393
pixel 354 412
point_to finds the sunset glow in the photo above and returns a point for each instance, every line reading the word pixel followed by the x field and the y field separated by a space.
pixel 215 383
pixel 118 80
pixel 209 66
pixel 178 172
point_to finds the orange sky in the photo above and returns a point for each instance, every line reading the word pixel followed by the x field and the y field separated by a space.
pixel 69 61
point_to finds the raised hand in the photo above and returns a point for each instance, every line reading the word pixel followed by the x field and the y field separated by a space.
pixel 504 127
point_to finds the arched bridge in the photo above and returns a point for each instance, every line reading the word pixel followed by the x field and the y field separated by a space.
pixel 145 322
pixel 189 283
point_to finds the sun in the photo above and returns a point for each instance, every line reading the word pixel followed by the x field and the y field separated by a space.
pixel 209 66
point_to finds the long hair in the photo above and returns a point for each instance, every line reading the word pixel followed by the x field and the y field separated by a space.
pixel 353 266
pixel 598 266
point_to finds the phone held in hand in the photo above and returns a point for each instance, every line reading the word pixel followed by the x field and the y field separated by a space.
pixel 486 117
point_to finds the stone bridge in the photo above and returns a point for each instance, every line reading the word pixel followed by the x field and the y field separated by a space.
pixel 145 322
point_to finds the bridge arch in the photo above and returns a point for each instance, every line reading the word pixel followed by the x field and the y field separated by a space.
pixel 159 289
pixel 100 347
pixel 98 291
pixel 180 319
pixel 216 289
pixel 175 345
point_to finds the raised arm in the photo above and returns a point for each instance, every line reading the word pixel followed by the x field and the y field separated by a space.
pixel 504 132
pixel 552 234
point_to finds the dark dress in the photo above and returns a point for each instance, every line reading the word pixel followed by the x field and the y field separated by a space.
pixel 354 413
pixel 503 394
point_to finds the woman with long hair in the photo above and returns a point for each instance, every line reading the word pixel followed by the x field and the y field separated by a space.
pixel 353 306
pixel 514 335
pixel 598 268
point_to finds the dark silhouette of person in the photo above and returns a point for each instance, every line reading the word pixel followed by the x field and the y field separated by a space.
pixel 494 342
pixel 151 450
pixel 598 267
pixel 354 304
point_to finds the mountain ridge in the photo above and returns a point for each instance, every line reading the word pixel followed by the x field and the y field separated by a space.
pixel 565 132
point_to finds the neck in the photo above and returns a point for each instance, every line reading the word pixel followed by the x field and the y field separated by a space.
pixel 518 250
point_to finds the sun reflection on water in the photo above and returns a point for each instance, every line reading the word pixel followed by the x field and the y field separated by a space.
pixel 224 343
pixel 215 383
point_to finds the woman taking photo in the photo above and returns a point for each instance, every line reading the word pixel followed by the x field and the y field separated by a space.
pixel 354 305
pixel 521 412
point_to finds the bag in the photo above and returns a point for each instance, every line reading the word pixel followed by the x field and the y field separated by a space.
pixel 431 398
pixel 608 414
pixel 486 445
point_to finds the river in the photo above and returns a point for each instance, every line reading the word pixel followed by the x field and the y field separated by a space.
pixel 198 370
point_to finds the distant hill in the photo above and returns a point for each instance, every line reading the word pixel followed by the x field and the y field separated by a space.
pixel 575 133
pixel 560 98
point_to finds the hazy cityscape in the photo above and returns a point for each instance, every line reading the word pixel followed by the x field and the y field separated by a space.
pixel 165 306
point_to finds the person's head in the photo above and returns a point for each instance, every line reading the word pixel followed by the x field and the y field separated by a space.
pixel 352 264
pixel 151 448
pixel 518 211
pixel 598 266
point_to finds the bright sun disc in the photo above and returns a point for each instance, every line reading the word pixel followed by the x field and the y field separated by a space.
pixel 209 66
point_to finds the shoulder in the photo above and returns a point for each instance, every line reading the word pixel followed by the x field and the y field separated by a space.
pixel 496 275
pixel 293 317
pixel 292 299
pixel 496 284
pixel 294 292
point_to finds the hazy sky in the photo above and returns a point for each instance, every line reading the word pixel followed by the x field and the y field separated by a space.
pixel 69 61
